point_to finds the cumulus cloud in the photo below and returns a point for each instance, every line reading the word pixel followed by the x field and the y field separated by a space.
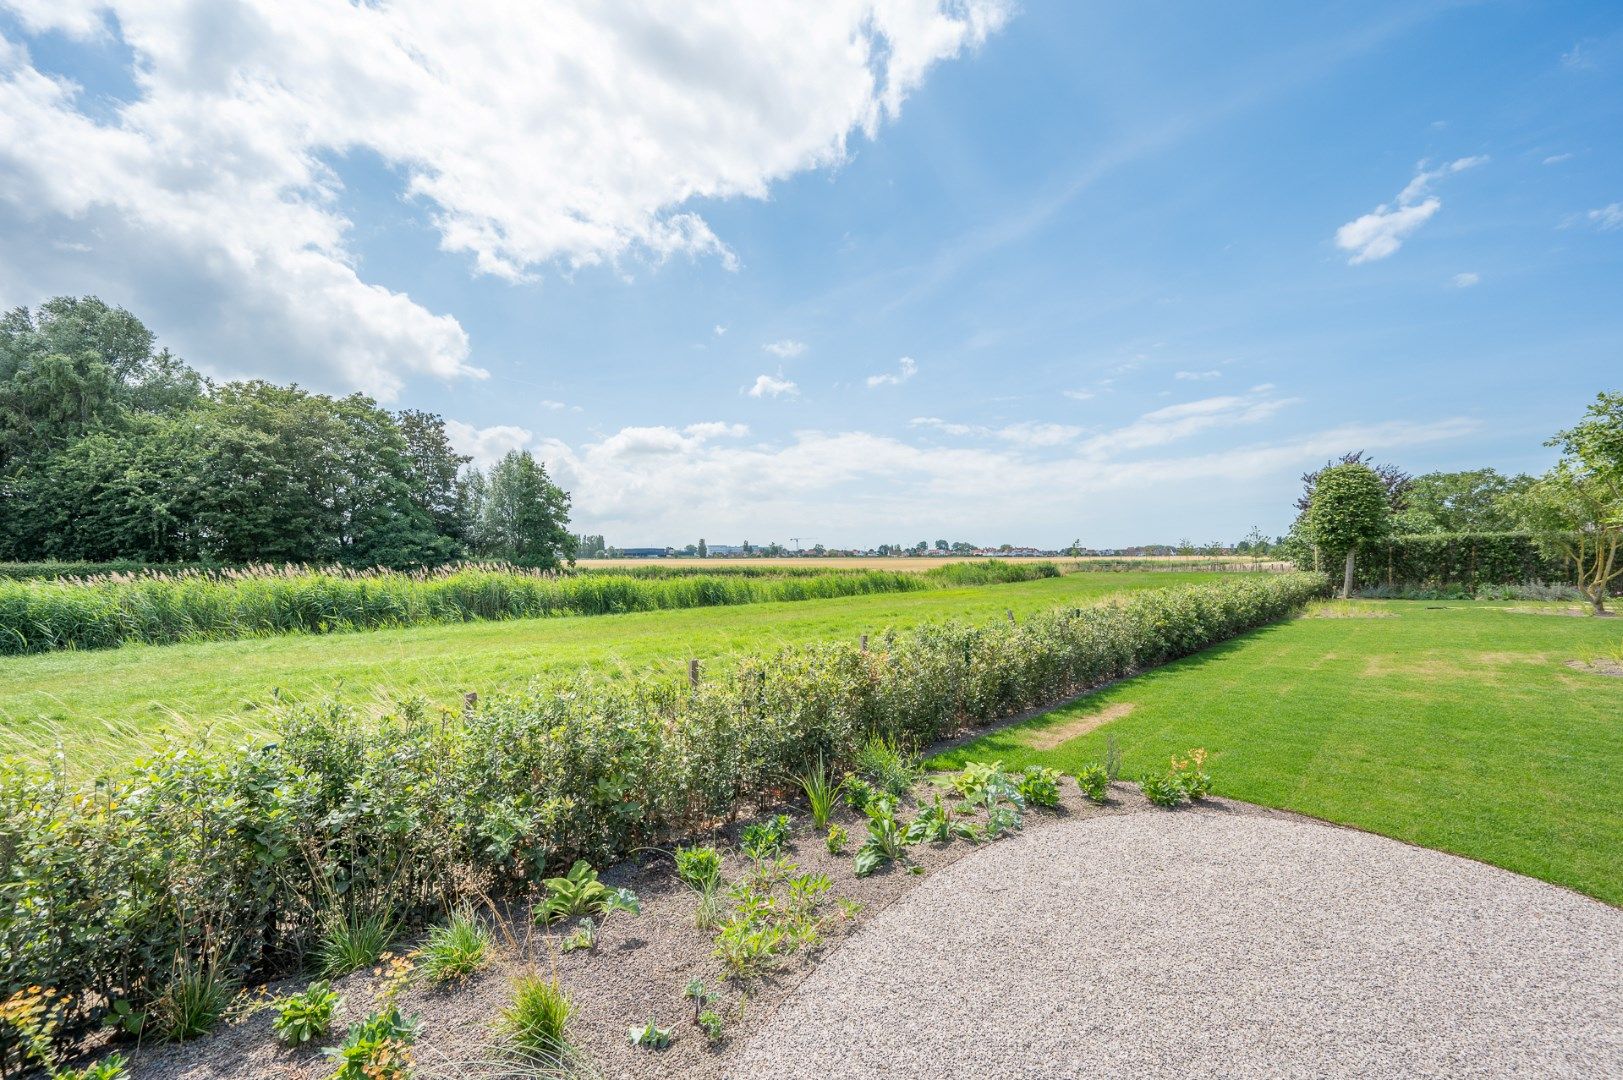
pixel 772 386
pixel 906 368
pixel 786 349
pixel 1607 217
pixel 1466 280
pixel 561 132
pixel 487 445
pixel 1382 231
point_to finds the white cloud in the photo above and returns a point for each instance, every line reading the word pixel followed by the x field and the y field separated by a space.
pixel 881 484
pixel 487 445
pixel 562 132
pixel 906 368
pixel 772 386
pixel 1556 159
pixel 1381 232
pixel 720 330
pixel 787 349
pixel 1079 395
pixel 1607 217
pixel 1466 280
pixel 1197 376
pixel 1029 433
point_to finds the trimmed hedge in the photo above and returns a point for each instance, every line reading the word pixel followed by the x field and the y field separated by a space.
pixel 239 851
pixel 105 612
pixel 1464 560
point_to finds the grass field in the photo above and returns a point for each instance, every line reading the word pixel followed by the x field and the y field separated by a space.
pixel 924 562
pixel 104 705
pixel 1456 726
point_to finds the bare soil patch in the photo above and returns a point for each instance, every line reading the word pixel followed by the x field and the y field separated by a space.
pixel 1598 667
pixel 1048 738
pixel 1564 612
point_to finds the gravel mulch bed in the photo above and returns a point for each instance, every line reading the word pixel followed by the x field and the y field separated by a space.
pixel 1219 941
pixel 636 973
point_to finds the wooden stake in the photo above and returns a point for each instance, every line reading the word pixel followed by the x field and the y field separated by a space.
pixel 693 674
pixel 864 642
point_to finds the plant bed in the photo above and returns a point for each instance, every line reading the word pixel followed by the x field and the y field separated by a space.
pixel 635 973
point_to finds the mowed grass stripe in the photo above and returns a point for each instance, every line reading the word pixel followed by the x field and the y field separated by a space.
pixel 107 705
pixel 1455 726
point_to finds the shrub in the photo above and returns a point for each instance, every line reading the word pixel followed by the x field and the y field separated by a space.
pixel 423 812
pixel 886 841
pixel 884 765
pixel 1094 782
pixel 378 1047
pixel 1163 789
pixel 765 839
pixel 1192 775
pixel 455 949
pixel 536 1020
pixel 306 1016
pixel 1039 786
pixel 699 868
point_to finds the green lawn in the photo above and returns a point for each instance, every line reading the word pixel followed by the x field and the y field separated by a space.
pixel 1456 726
pixel 105 704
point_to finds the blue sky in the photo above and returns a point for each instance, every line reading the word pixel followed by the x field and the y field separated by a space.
pixel 1026 273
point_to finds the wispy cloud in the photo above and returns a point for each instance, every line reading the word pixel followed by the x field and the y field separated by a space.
pixel 906 368
pixel 719 330
pixel 1197 376
pixel 1079 395
pixel 1465 280
pixel 787 349
pixel 1030 433
pixel 772 386
pixel 1556 159
pixel 1607 217
pixel 1382 231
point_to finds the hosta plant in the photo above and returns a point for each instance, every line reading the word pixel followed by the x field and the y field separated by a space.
pixel 939 823
pixel 580 893
pixel 650 1036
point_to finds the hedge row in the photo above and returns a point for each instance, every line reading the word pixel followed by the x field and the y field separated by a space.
pixel 1465 560
pixel 40 616
pixel 241 853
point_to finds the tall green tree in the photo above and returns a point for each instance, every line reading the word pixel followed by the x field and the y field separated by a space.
pixel 524 516
pixel 1475 500
pixel 1576 509
pixel 1350 508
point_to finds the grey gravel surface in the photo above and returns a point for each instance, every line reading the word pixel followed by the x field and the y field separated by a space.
pixel 1212 943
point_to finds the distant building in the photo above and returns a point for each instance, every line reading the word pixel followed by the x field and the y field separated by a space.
pixel 644 553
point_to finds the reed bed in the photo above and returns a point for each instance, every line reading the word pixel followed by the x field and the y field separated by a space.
pixel 108 610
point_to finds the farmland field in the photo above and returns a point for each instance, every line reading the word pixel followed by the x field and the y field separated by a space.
pixel 104 705
pixel 1456 726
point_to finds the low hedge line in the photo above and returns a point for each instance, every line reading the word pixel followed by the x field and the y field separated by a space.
pixel 1463 560
pixel 40 616
pixel 239 854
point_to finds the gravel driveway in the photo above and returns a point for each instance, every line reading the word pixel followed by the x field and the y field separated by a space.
pixel 1218 942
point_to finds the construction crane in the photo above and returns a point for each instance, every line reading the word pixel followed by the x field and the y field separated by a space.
pixel 799 541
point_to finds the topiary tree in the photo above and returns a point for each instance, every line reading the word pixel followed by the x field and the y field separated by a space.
pixel 1349 507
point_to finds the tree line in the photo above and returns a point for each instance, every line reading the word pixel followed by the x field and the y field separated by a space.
pixel 1573 511
pixel 113 448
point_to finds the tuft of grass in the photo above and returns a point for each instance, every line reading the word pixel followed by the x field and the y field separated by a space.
pixel 192 1003
pixel 353 940
pixel 822 792
pixel 455 949
pixel 536 1020
pixel 885 765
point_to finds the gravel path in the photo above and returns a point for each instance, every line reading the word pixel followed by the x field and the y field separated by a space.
pixel 1212 943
